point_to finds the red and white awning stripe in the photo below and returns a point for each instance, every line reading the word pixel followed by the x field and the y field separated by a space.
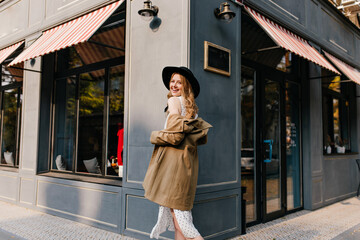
pixel 68 34
pixel 290 41
pixel 352 73
pixel 6 52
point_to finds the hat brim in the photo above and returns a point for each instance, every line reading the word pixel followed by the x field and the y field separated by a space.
pixel 168 72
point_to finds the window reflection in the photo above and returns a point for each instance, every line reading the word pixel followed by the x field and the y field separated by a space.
pixel 11 96
pixel 248 141
pixel 293 160
pixel 116 116
pixel 91 117
pixel 336 124
pixel 64 129
pixel 9 129
pixel 273 148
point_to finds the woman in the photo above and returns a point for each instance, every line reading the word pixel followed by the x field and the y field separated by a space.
pixel 171 178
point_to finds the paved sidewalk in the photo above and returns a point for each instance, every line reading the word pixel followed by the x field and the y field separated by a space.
pixel 4 235
pixel 351 234
pixel 340 221
pixel 19 223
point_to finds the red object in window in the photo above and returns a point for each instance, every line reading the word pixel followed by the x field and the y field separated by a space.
pixel 120 147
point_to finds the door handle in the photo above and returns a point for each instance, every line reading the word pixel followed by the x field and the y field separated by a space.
pixel 270 142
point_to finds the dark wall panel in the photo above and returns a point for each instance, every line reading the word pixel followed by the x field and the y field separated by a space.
pixel 336 33
pixel 340 177
pixel 315 128
pixel 94 204
pixel 219 97
pixel 313 18
pixel 140 215
pixel 139 158
pixel 216 215
pixel 357 49
pixel 293 9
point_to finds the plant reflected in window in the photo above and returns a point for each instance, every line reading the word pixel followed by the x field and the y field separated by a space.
pixel 336 125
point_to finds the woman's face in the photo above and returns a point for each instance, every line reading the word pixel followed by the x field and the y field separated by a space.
pixel 176 85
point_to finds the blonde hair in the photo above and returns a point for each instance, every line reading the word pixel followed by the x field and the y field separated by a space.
pixel 188 95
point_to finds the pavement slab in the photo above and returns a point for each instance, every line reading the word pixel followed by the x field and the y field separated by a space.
pixel 323 224
pixel 351 234
pixel 4 235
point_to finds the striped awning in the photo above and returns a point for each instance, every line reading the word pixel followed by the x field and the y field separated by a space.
pixel 68 34
pixel 352 73
pixel 6 52
pixel 290 41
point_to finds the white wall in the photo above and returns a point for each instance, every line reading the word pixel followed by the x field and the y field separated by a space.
pixel 148 51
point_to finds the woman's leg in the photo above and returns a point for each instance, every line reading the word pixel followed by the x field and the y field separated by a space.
pixel 178 234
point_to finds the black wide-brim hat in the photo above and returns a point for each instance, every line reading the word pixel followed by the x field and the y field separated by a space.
pixel 168 71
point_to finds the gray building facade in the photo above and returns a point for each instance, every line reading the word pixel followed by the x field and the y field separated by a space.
pixel 279 120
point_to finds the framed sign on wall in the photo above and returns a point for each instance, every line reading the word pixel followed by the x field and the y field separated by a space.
pixel 217 59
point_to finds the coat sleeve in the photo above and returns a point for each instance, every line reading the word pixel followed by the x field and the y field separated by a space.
pixel 203 139
pixel 173 134
pixel 166 138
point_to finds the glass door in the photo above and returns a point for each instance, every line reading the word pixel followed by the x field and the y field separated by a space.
pixel 272 147
pixel 248 143
pixel 270 143
pixel 293 147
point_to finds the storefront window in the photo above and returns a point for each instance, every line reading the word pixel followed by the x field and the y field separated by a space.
pixel 89 105
pixel 64 124
pixel 248 168
pixel 293 157
pixel 335 114
pixel 11 96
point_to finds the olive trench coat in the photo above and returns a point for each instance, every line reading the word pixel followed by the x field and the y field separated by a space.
pixel 172 174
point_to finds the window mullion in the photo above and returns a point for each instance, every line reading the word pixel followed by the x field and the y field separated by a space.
pixel 76 132
pixel 18 122
pixel 331 118
pixel 52 119
pixel 105 121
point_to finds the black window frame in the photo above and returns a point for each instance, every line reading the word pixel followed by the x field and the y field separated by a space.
pixel 18 86
pixel 106 65
pixel 344 96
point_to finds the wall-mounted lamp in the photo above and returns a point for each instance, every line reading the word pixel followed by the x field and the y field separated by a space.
pixel 148 11
pixel 224 13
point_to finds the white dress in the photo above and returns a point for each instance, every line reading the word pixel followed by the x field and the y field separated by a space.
pixel 184 218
